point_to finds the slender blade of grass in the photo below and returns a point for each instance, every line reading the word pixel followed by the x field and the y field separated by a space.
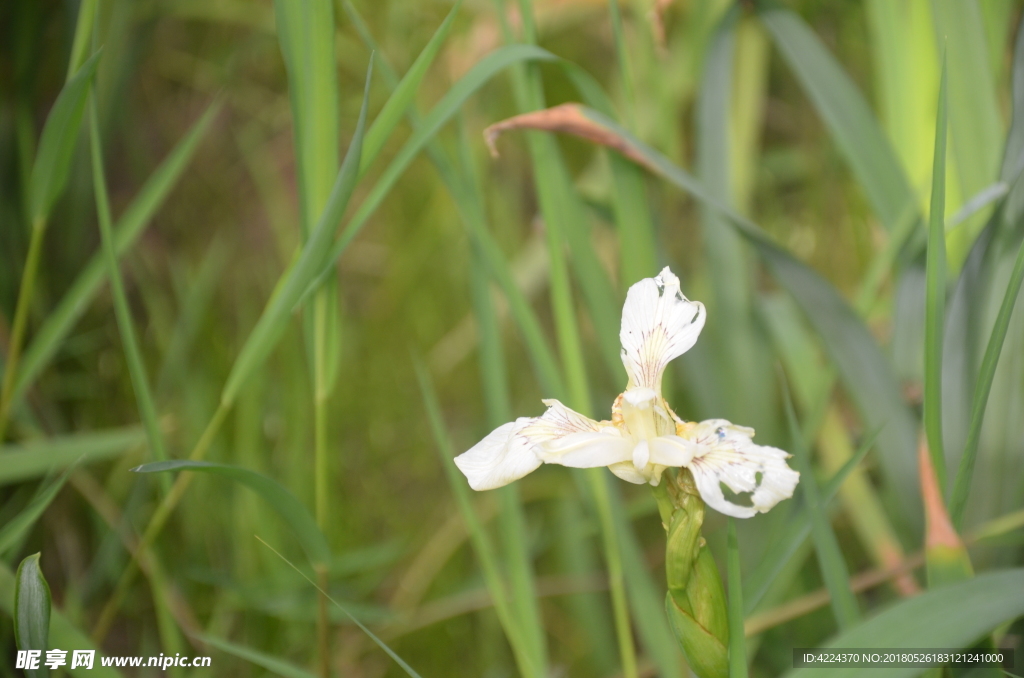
pixel 129 227
pixel 404 95
pixel 305 31
pixel 380 643
pixel 442 112
pixel 265 661
pixel 965 471
pixel 32 612
pixel 296 280
pixel 280 499
pixel 844 110
pixel 57 143
pixel 561 209
pixel 830 557
pixel 482 546
pixel 511 518
pixel 981 604
pixel 975 124
pixel 17 527
pixel 935 300
pixel 737 641
pixel 33 459
pixel 125 324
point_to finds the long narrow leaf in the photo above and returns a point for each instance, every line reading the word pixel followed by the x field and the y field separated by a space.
pixel 133 221
pixel 404 94
pixel 279 498
pixel 845 111
pixel 264 661
pixel 965 472
pixel 981 604
pixel 34 459
pixel 935 302
pixel 737 641
pixel 294 283
pixel 830 558
pixel 32 612
pixel 16 528
pixel 57 143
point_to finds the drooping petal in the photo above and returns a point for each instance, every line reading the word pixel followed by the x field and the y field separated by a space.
pixel 501 457
pixel 626 471
pixel 726 454
pixel 658 325
pixel 564 436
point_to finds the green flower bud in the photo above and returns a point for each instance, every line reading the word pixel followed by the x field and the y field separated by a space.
pixel 695 602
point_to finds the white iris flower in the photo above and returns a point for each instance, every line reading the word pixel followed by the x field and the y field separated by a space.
pixel 644 436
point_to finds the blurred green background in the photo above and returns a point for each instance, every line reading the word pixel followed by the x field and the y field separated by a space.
pixel 814 119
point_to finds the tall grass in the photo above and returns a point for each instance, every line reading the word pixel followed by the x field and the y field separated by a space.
pixel 230 252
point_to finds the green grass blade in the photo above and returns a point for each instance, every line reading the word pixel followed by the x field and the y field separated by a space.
pixel 380 643
pixel 130 345
pixel 57 143
pixel 844 110
pixel 16 528
pixel 975 123
pixel 561 208
pixel 404 94
pixel 962 483
pixel 33 459
pixel 475 222
pixel 265 661
pixel 32 612
pixel 298 277
pixel 305 31
pixel 133 221
pixel 280 499
pixel 796 532
pixel 737 641
pixel 511 518
pixel 935 296
pixel 482 546
pixel 449 105
pixel 981 604
pixel 83 36
pixel 739 358
pixel 830 557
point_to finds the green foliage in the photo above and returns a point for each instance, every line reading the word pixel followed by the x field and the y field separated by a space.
pixel 778 158
pixel 32 612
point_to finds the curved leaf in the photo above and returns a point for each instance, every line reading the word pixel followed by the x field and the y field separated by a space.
pixel 981 604
pixel 57 143
pixel 37 458
pixel 32 611
pixel 845 112
pixel 283 501
pixel 47 340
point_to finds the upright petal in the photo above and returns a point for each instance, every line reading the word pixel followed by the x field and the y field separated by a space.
pixel 564 436
pixel 726 454
pixel 503 456
pixel 658 325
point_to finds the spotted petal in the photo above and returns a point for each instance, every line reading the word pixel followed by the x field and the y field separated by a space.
pixel 658 325
pixel 563 436
pixel 559 436
pixel 501 457
pixel 726 454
